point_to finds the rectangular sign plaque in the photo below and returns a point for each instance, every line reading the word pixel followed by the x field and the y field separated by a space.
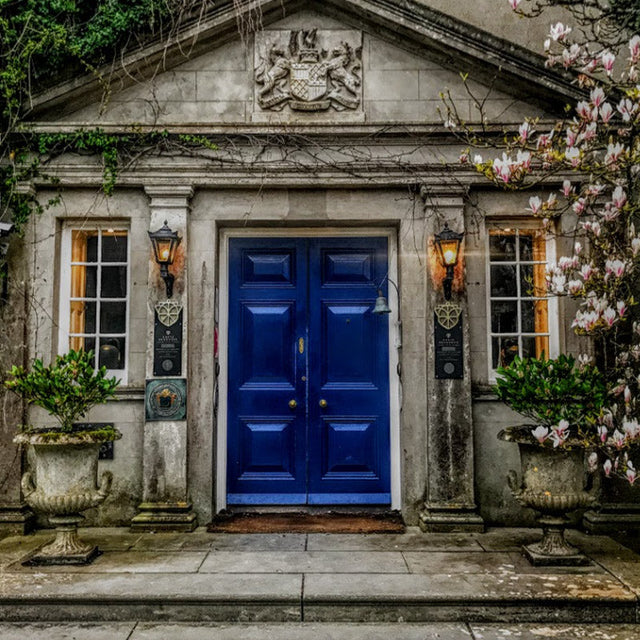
pixel 449 354
pixel 167 347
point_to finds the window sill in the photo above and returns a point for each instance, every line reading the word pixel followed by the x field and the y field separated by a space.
pixel 129 393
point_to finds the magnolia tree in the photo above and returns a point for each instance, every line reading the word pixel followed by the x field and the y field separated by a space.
pixel 594 153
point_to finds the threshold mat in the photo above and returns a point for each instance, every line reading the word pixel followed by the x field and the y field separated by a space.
pixel 307 523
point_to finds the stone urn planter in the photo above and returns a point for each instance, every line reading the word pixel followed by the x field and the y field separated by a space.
pixel 554 482
pixel 63 478
pixel 62 484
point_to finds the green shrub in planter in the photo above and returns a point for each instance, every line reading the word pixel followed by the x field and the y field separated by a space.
pixel 66 389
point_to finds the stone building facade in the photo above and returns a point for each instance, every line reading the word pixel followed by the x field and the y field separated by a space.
pixel 266 379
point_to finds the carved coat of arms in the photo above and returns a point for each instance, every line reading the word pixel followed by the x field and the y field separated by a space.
pixel 307 77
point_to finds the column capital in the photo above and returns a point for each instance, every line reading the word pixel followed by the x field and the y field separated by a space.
pixel 176 196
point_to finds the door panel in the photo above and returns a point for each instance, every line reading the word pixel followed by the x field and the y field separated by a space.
pixel 301 328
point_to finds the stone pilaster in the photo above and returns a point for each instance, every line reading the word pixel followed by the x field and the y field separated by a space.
pixel 449 497
pixel 165 505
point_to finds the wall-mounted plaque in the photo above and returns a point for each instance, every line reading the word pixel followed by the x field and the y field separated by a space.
pixel 448 342
pixel 166 399
pixel 167 339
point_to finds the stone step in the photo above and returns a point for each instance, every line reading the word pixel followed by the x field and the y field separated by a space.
pixel 179 597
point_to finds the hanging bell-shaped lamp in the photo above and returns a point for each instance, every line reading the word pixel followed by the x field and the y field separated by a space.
pixel 381 305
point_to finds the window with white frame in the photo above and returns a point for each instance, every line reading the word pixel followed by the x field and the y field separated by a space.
pixel 522 318
pixel 94 295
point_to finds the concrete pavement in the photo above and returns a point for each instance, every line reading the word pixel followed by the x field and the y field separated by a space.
pixel 411 585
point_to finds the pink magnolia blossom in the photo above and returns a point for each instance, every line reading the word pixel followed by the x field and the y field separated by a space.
pixel 572 155
pixel 464 157
pixel 524 131
pixel 614 267
pixel 592 227
pixel 614 153
pixel 597 96
pixel 540 434
pixel 602 432
pixel 535 204
pixel 590 131
pixel 586 271
pixel 631 429
pixel 579 205
pixel 609 316
pixel 609 213
pixel 544 140
pixel 627 109
pixel 634 49
pixel 622 308
pixel 618 439
pixel 619 197
pixel 577 248
pixel 607 466
pixel 567 189
pixel 514 4
pixel 607 58
pixel 631 472
pixel 574 287
pixel 606 111
pixel 627 395
pixel 635 246
pixel 559 32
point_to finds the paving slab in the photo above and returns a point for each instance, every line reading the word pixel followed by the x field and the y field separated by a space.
pixel 413 539
pixel 481 597
pixel 303 631
pixel 64 631
pixel 556 632
pixel 259 541
pixel 138 596
pixel 128 562
pixel 304 562
pixel 451 562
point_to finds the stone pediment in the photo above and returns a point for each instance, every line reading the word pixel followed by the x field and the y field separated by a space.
pixel 336 61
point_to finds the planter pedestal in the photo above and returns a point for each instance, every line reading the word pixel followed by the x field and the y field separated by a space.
pixel 553 550
pixel 553 483
pixel 67 548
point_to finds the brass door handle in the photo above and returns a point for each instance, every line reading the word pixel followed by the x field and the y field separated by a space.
pixel 292 404
pixel 323 404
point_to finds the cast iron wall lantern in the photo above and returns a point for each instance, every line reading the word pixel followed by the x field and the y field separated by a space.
pixel 165 242
pixel 447 243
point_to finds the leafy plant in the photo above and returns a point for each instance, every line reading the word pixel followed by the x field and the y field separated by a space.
pixel 66 389
pixel 558 394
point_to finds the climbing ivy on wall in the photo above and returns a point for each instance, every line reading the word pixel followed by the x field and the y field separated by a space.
pixel 43 42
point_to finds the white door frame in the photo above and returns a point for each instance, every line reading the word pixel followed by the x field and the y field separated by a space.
pixel 223 337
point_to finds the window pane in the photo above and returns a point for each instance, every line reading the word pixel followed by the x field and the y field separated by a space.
pixel 504 350
pixel 503 281
pixel 92 247
pixel 114 246
pixel 83 281
pixel 504 317
pixel 527 289
pixel 83 317
pixel 534 346
pixel 114 282
pixel 112 317
pixel 502 247
pixel 526 247
pixel 79 343
pixel 111 354
pixel 534 316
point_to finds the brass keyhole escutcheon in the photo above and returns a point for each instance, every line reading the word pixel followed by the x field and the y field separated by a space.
pixel 323 404
pixel 292 404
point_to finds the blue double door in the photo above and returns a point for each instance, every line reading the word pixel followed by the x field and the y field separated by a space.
pixel 308 404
